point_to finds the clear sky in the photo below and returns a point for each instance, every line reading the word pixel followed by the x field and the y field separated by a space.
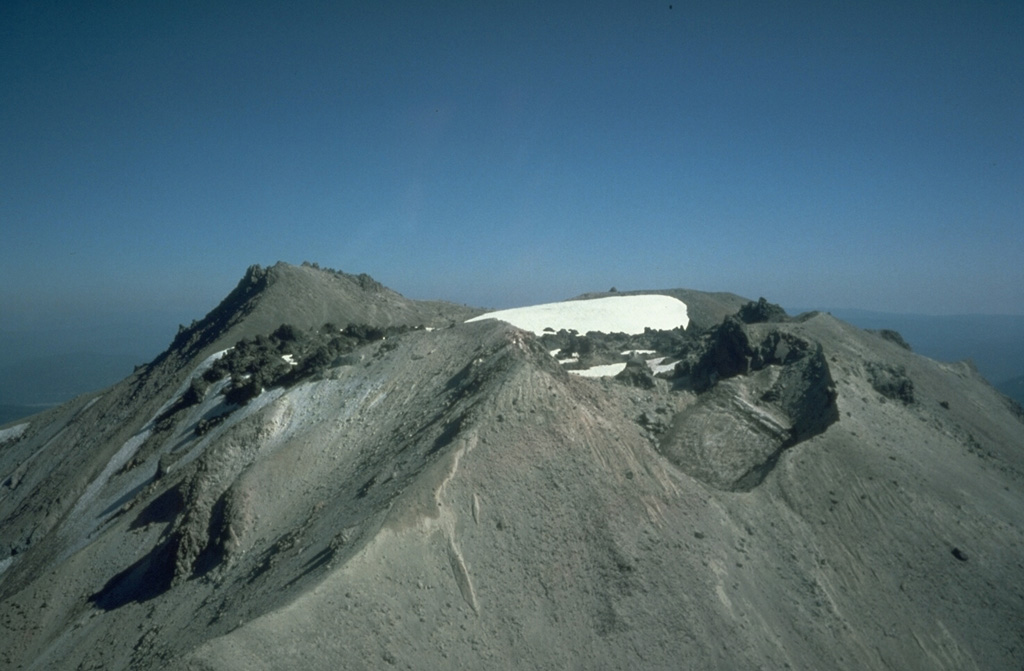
pixel 820 153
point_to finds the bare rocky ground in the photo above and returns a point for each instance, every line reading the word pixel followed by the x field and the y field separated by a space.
pixel 796 493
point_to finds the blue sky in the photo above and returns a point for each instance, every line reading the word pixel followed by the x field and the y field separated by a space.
pixel 853 154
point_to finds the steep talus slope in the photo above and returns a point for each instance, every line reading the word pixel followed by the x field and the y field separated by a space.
pixel 796 493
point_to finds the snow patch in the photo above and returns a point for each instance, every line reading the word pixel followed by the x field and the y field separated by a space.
pixel 199 370
pixel 612 314
pixel 209 408
pixel 613 369
pixel 97 495
pixel 13 432
pixel 601 371
pixel 658 366
pixel 122 456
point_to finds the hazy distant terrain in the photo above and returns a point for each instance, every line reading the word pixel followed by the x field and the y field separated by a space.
pixel 43 367
pixel 42 382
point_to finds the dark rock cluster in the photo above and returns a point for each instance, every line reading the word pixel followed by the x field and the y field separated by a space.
pixel 761 312
pixel 259 363
pixel 256 364
pixel 891 381
pixel 760 388
pixel 893 337
pixel 727 351
pixel 758 394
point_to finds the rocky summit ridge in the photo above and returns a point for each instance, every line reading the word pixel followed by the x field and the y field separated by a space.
pixel 322 473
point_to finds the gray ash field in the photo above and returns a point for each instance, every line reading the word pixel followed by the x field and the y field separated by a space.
pixel 379 483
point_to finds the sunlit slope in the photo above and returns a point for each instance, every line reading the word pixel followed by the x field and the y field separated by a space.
pixel 792 492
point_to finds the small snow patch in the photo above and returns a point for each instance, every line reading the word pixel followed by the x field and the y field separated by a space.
pixel 122 456
pixel 659 366
pixel 13 432
pixel 601 371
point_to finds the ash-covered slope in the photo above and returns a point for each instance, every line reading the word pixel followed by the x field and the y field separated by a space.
pixel 793 493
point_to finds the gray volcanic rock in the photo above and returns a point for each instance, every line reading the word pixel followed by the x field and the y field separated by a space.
pixel 454 497
pixel 637 374
pixel 891 381
pixel 893 336
pixel 760 312
pixel 770 398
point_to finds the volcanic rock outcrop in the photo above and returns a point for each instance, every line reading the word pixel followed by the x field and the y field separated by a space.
pixel 758 399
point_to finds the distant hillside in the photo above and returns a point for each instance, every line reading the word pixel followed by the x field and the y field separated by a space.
pixel 41 367
pixel 49 380
pixel 992 342
pixel 11 412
